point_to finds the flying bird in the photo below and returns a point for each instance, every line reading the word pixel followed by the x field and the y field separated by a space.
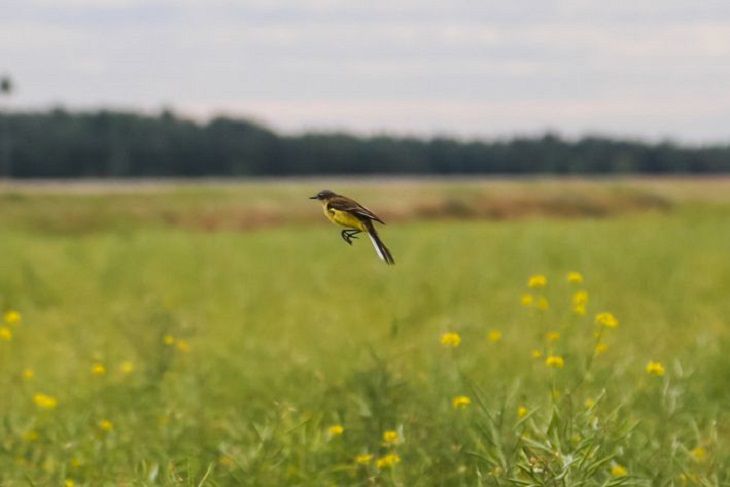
pixel 355 218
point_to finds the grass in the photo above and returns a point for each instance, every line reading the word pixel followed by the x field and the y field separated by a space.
pixel 227 356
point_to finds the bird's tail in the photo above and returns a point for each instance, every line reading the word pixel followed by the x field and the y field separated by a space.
pixel 380 247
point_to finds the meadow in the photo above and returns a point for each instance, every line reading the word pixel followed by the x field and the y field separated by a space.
pixel 533 332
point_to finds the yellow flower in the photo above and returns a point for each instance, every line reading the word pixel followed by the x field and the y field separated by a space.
pixel 574 277
pixel 698 454
pixel 601 348
pixel 388 461
pixel 536 353
pixel 69 483
pixel 521 412
pixel 183 345
pixel 450 339
pixel 537 281
pixel 552 336
pixel 527 300
pixel 580 300
pixel 98 369
pixel 30 436
pixel 126 367
pixel 606 319
pixel 460 402
pixel 168 340
pixel 555 361
pixel 44 401
pixel 619 470
pixel 391 437
pixel 589 403
pixel 335 430
pixel 6 334
pixel 105 425
pixel 12 317
pixel 655 368
pixel 543 304
pixel 27 374
pixel 494 336
pixel 580 297
pixel 364 458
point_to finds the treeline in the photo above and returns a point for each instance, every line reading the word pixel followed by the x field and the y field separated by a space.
pixel 59 144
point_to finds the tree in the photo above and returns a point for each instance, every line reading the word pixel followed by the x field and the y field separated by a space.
pixel 66 144
pixel 6 89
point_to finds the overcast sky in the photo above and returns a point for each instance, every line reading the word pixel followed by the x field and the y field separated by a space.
pixel 646 68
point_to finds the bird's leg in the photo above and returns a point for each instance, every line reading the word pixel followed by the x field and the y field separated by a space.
pixel 348 235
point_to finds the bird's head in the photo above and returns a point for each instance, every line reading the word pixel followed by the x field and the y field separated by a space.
pixel 323 195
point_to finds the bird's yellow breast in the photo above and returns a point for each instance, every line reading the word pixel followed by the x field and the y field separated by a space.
pixel 344 218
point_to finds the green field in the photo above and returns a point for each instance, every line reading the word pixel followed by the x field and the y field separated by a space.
pixel 221 334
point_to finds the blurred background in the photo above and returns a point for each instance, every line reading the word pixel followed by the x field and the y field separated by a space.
pixel 129 88
pixel 174 311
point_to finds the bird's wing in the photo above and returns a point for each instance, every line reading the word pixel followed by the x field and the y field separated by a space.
pixel 346 204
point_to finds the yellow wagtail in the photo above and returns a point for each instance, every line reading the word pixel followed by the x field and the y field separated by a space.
pixel 351 214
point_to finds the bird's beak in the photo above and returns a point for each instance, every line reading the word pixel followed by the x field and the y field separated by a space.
pixel 313 197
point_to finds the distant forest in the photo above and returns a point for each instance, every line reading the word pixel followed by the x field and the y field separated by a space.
pixel 63 144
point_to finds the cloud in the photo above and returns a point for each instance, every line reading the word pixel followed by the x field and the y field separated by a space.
pixel 395 64
pixel 656 117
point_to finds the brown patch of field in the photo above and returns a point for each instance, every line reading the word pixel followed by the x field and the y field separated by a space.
pixel 214 206
pixel 545 205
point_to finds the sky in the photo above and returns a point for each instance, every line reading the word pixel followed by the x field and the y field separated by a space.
pixel 649 69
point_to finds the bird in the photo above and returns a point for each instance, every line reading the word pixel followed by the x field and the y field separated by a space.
pixel 355 217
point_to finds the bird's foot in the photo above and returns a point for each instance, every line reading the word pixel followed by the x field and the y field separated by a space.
pixel 348 235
